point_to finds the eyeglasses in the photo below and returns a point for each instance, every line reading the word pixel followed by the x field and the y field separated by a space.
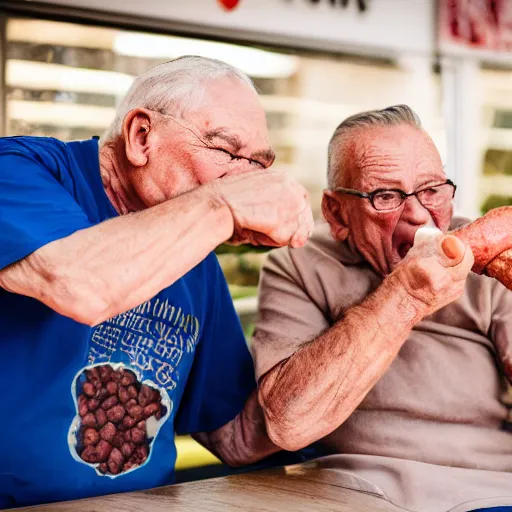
pixel 384 199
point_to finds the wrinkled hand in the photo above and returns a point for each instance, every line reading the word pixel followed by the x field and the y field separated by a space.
pixel 434 272
pixel 268 208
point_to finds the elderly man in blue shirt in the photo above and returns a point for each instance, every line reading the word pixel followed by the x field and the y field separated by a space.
pixel 118 329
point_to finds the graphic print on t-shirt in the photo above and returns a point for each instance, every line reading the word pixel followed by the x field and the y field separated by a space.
pixel 151 338
pixel 124 394
pixel 119 417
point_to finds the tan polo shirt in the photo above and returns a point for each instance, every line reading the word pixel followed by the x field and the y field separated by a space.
pixel 439 402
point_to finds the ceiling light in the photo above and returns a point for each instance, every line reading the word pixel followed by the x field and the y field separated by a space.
pixel 252 61
pixel 41 76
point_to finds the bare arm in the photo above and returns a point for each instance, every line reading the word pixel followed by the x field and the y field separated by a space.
pixel 104 270
pixel 243 440
pixel 308 395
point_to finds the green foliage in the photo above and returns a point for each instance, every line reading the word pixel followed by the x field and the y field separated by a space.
pixel 249 331
pixel 495 201
pixel 240 292
pixel 240 249
pixel 497 161
pixel 242 269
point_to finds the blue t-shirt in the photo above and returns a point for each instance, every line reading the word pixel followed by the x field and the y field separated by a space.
pixel 185 344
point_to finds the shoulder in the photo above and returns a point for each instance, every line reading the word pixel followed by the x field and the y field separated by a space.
pixel 45 151
pixel 458 221
pixel 320 253
pixel 327 272
pixel 305 272
pixel 31 145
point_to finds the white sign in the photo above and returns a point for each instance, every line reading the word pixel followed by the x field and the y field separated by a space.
pixel 386 26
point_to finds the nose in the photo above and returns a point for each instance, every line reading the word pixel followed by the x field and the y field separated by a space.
pixel 415 213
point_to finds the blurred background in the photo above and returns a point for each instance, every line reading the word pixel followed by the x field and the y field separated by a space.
pixel 65 65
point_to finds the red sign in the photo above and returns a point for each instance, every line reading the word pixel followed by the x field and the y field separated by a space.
pixel 479 24
pixel 229 5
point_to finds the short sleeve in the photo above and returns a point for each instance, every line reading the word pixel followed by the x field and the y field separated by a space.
pixel 222 374
pixel 287 316
pixel 35 209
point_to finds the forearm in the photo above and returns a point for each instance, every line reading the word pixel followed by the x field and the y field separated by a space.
pixel 109 268
pixel 243 440
pixel 308 395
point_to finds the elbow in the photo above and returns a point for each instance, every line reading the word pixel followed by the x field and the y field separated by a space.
pixel 86 308
pixel 90 314
pixel 236 462
pixel 244 457
pixel 287 438
pixel 284 428
pixel 80 298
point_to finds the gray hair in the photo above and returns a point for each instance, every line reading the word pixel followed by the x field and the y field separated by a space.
pixel 391 116
pixel 178 85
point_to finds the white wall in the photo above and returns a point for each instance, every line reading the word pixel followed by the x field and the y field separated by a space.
pixel 387 25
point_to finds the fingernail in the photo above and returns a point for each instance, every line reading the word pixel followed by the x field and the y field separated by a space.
pixel 453 247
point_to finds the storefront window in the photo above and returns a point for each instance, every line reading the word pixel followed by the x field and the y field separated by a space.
pixel 64 80
pixel 496 177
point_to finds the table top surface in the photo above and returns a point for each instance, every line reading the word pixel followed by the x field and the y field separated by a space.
pixel 301 487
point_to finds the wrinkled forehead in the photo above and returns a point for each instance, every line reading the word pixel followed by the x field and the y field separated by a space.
pixel 233 107
pixel 393 157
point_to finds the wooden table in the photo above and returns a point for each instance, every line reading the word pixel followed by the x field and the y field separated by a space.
pixel 297 488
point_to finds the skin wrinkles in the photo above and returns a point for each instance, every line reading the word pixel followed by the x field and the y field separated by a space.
pixel 180 196
pixel 400 157
pixel 174 156
pixel 263 157
pixel 309 394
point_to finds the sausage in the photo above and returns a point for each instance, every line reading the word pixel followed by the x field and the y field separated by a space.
pixel 490 239
pixel 488 236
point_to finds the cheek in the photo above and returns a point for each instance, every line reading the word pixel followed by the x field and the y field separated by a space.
pixel 376 228
pixel 442 217
pixel 385 224
pixel 205 169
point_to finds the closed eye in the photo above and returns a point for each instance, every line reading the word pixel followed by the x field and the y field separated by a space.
pixel 237 158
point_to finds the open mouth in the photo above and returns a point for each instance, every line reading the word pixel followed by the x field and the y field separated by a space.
pixel 403 249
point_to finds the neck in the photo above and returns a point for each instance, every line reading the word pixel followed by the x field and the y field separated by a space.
pixel 114 169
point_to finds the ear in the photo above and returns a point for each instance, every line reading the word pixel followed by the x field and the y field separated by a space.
pixel 136 129
pixel 333 211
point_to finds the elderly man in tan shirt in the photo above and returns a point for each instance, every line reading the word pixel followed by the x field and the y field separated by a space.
pixel 390 354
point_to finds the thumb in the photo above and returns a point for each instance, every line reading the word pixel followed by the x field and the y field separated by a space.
pixel 453 249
